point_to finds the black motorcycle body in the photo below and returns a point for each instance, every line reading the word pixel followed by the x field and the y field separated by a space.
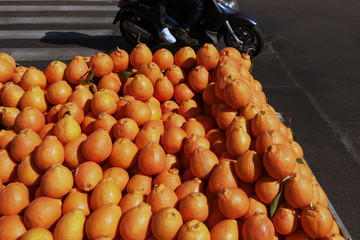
pixel 219 19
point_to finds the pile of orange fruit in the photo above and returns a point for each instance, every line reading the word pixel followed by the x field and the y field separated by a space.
pixel 151 145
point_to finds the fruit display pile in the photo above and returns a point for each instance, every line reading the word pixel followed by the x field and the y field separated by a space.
pixel 151 145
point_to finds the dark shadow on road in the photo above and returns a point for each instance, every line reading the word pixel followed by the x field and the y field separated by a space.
pixel 101 42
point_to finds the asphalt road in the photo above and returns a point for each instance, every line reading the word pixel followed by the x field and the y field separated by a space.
pixel 309 71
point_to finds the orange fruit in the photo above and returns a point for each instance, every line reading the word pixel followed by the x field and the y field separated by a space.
pixel 72 152
pixel 223 176
pixel 169 106
pixel 58 92
pixel 37 234
pixel 70 226
pixel 138 111
pixel 189 186
pixel 105 121
pixel 225 115
pixel 237 93
pixel 193 126
pixel 172 161
pixel 28 172
pixel 189 108
pixel 87 175
pixel 110 81
pixel 29 118
pixel 103 221
pixel 57 181
pixel 316 220
pixel 47 130
pixel 249 166
pixel 33 77
pixel 198 78
pixel 169 177
pixel 279 161
pixel 81 96
pixel 6 70
pixel 11 94
pixel 230 228
pixel 76 200
pixel 193 229
pixel 119 175
pixel 76 69
pixel 104 101
pixel 192 142
pixel 194 206
pixel 199 167
pixel 152 159
pixel 151 70
pixel 147 135
pixel 238 141
pixel 101 64
pixel 124 153
pixel 120 60
pixel 163 58
pixel 131 199
pixel 34 97
pixel 173 140
pixel 67 129
pixel 263 121
pixel 105 192
pixel 42 212
pixel 286 219
pixel 182 92
pixel 268 138
pixel 207 56
pixel 174 119
pixel 166 223
pixel 49 152
pixel 255 205
pixel 55 71
pixel 14 198
pixel 185 58
pixel 126 128
pixel 8 166
pixel 249 112
pixel 298 191
pixel 258 226
pixel 136 222
pixel 97 146
pixel 12 226
pixel 24 143
pixel 52 114
pixel 233 202
pixel 208 94
pixel 140 181
pixel 163 89
pixel 266 188
pixel 161 196
pixel 141 88
pixel 140 54
pixel 8 116
pixel 18 72
pixel 175 74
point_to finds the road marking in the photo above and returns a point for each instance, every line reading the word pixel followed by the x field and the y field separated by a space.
pixel 58 8
pixel 51 34
pixel 55 20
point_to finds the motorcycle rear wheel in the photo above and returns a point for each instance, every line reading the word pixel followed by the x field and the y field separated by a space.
pixel 252 39
pixel 133 37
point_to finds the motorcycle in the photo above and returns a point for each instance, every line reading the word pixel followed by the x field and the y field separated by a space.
pixel 220 19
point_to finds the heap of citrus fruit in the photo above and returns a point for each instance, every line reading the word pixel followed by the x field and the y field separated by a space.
pixel 146 145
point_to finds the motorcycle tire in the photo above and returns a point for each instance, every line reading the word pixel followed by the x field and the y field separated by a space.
pixel 252 37
pixel 130 36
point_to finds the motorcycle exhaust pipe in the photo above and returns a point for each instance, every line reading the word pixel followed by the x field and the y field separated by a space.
pixel 136 30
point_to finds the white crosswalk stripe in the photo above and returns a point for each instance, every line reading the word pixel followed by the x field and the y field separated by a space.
pixel 38 32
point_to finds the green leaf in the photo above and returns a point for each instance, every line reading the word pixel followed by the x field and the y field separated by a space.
pixel 84 81
pixel 125 75
pixel 275 202
pixel 292 132
pixel 92 89
pixel 299 160
pixel 251 67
